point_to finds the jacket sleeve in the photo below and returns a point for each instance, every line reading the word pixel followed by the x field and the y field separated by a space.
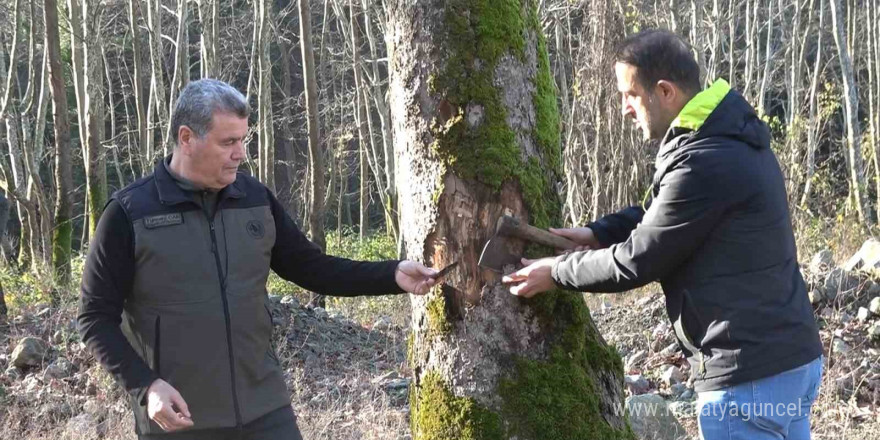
pixel 107 281
pixel 298 260
pixel 615 228
pixel 689 204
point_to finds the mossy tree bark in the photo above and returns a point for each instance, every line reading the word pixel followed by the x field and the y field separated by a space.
pixel 476 134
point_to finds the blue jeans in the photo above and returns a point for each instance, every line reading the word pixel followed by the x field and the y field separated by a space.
pixel 775 407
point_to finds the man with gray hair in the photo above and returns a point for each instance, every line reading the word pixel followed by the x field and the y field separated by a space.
pixel 174 287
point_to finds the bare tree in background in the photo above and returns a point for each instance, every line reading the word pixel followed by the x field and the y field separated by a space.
pixel 858 187
pixel 61 239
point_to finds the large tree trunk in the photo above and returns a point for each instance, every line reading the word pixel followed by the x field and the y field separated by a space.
pixel 476 133
pixel 853 130
pixel 63 174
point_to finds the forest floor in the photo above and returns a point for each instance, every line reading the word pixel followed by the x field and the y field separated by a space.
pixel 349 380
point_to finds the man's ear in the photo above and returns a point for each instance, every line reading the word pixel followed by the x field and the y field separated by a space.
pixel 185 136
pixel 667 91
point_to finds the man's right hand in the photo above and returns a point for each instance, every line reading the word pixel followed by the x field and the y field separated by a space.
pixel 583 236
pixel 166 407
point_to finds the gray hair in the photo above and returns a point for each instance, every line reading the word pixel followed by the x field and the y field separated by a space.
pixel 198 102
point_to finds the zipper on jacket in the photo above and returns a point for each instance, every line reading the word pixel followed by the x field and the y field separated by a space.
pixel 702 365
pixel 225 314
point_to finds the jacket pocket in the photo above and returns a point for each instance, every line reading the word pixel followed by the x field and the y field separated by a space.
pixel 687 327
pixel 252 333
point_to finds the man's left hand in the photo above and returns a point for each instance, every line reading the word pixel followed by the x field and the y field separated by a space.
pixel 414 277
pixel 536 277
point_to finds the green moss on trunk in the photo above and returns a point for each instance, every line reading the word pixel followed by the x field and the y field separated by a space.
pixel 97 198
pixel 61 251
pixel 438 324
pixel 547 130
pixel 480 33
pixel 557 399
pixel 439 415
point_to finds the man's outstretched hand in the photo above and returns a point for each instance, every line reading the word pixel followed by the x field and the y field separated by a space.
pixel 414 277
pixel 166 407
pixel 536 277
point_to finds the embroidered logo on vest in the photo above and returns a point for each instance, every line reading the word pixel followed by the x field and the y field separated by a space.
pixel 255 229
pixel 158 221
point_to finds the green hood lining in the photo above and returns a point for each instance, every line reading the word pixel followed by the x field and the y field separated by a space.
pixel 698 109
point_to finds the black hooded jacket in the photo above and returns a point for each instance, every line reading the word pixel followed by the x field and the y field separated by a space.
pixel 717 235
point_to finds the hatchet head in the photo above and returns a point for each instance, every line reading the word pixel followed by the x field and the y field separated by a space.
pixel 498 250
pixel 496 254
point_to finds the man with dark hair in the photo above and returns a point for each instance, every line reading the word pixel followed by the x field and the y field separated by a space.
pixel 174 286
pixel 717 235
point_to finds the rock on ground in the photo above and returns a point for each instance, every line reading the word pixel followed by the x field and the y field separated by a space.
pixel 651 418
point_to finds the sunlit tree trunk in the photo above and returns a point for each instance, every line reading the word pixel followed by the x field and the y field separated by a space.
pixel 465 76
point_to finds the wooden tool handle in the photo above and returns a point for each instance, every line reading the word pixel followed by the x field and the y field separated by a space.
pixel 512 227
